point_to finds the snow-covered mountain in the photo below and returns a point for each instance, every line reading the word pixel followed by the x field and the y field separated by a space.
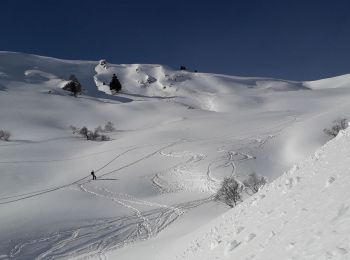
pixel 178 134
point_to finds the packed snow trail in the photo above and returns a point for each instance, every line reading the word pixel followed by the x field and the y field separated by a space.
pixel 141 229
pixel 97 237
pixel 9 199
pixel 145 223
pixel 15 198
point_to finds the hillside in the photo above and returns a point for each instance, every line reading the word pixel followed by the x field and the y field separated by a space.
pixel 304 214
pixel 178 134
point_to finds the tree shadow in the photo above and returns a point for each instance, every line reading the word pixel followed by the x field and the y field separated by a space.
pixel 144 96
pixel 105 98
pixel 104 179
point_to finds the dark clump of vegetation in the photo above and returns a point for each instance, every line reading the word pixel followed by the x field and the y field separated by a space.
pixel 98 134
pixel 73 85
pixel 338 125
pixel 230 192
pixel 5 135
pixel 115 85
pixel 254 182
pixel 109 127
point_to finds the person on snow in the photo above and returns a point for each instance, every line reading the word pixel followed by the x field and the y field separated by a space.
pixel 93 175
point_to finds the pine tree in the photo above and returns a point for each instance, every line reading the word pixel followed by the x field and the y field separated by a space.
pixel 73 85
pixel 115 84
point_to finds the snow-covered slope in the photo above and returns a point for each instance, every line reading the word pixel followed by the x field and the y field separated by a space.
pixel 304 214
pixel 336 82
pixel 178 134
pixel 197 90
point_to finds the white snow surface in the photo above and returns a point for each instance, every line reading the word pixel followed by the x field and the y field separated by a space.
pixel 304 214
pixel 178 134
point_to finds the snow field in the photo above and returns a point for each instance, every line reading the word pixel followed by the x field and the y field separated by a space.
pixel 178 135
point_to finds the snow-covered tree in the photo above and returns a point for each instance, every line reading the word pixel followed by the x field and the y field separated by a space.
pixel 109 127
pixel 230 192
pixel 255 182
pixel 73 85
pixel 4 135
pixel 84 132
pixel 338 124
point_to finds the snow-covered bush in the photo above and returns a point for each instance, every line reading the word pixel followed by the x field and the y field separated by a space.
pixel 93 135
pixel 338 124
pixel 109 127
pixel 74 129
pixel 84 132
pixel 254 182
pixel 230 192
pixel 5 135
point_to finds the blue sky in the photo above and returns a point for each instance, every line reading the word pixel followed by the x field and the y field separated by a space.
pixel 290 39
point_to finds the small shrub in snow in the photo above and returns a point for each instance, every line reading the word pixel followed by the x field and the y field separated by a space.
pixel 109 127
pixel 74 129
pixel 183 67
pixel 338 124
pixel 73 85
pixel 5 135
pixel 230 192
pixel 84 132
pixel 92 135
pixel 255 182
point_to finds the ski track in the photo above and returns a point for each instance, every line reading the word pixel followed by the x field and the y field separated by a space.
pixel 15 198
pixel 95 239
pixel 143 229
pixel 255 139
pixel 182 169
pixel 278 128
pixel 160 179
pixel 115 233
